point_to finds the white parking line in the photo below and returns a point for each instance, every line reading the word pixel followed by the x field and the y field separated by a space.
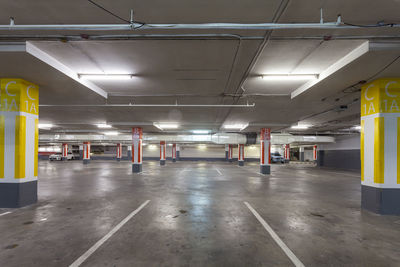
pixel 276 238
pixel 220 173
pixel 87 254
pixel 5 213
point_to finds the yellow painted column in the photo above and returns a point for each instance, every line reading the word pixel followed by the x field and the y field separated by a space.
pixel 380 146
pixel 19 135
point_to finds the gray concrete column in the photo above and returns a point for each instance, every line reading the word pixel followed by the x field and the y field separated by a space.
pixel 265 142
pixel 137 152
pixel 86 152
pixel 301 153
pixel 163 148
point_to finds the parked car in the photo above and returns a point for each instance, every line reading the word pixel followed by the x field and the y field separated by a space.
pixel 58 156
pixel 276 157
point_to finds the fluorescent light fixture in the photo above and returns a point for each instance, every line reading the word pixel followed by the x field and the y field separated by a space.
pixel 200 131
pixel 357 127
pixel 45 125
pixel 300 127
pixel 202 146
pixel 164 126
pixel 289 77
pixel 236 126
pixel 102 77
pixel 111 133
pixel 104 126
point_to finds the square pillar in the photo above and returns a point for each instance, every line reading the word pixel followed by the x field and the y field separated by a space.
pixel 19 138
pixel 163 148
pixel 173 152
pixel 81 152
pixel 315 153
pixel 241 154
pixel 86 152
pixel 119 152
pixel 129 152
pixel 230 153
pixel 380 146
pixel 301 153
pixel 265 158
pixel 287 153
pixel 137 136
pixel 227 152
pixel 64 152
pixel 178 152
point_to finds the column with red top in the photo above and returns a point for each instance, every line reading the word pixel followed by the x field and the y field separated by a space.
pixel 86 152
pixel 173 152
pixel 163 148
pixel 64 155
pixel 230 153
pixel 265 157
pixel 241 154
pixel 315 153
pixel 137 136
pixel 119 152
pixel 287 153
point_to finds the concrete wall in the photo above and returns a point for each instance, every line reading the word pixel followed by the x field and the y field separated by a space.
pixel 343 154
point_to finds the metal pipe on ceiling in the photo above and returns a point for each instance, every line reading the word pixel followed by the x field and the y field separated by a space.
pixel 156 105
pixel 182 26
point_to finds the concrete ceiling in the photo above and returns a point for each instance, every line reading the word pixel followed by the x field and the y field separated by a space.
pixel 201 70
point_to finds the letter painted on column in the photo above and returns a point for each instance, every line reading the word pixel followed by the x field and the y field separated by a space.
pixel 137 136
pixel 380 146
pixel 19 136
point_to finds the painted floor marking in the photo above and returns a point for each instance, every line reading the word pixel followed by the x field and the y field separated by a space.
pixel 276 238
pixel 5 213
pixel 98 244
pixel 220 173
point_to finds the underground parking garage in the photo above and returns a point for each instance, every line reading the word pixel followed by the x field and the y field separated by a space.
pixel 187 133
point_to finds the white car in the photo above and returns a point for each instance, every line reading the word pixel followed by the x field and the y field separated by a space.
pixel 58 156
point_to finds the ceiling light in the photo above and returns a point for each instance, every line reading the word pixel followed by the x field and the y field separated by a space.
pixel 357 127
pixel 200 131
pixel 99 77
pixel 300 127
pixel 104 126
pixel 289 77
pixel 235 126
pixel 45 125
pixel 111 133
pixel 163 126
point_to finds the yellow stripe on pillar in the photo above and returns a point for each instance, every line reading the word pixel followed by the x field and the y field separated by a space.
pixel 2 130
pixel 362 149
pixel 20 146
pixel 398 150
pixel 379 150
pixel 35 160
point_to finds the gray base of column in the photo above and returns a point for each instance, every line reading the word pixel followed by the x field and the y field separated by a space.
pixel 136 168
pixel 129 154
pixel 118 159
pixel 86 161
pixel 81 155
pixel 287 160
pixel 227 155
pixel 380 200
pixel 265 169
pixel 178 156
pixel 162 162
pixel 16 195
pixel 241 163
pixel 230 160
pixel 64 159
pixel 173 160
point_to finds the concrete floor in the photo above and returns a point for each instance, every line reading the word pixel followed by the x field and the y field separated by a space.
pixel 196 217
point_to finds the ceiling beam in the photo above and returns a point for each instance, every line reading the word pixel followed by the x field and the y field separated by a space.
pixel 50 60
pixel 347 59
